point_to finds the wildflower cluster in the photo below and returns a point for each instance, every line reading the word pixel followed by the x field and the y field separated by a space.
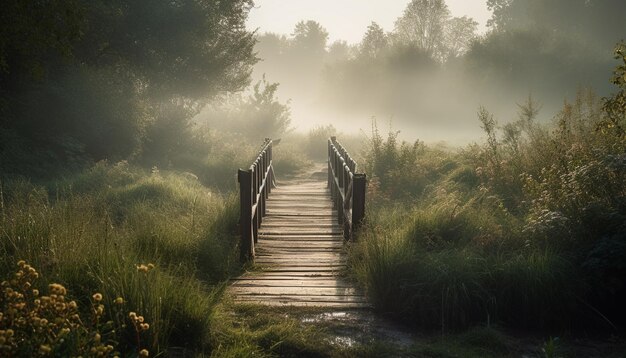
pixel 145 268
pixel 35 324
pixel 138 322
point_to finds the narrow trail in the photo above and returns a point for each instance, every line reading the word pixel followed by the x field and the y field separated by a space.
pixel 300 255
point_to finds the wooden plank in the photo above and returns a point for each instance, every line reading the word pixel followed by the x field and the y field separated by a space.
pixel 305 213
pixel 308 298
pixel 295 291
pixel 304 269
pixel 330 305
pixel 300 225
pixel 241 282
pixel 264 275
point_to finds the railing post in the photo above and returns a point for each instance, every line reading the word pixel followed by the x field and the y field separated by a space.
pixel 358 200
pixel 328 159
pixel 255 190
pixel 347 188
pixel 245 216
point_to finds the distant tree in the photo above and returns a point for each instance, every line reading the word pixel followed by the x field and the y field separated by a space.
pixel 265 115
pixel 427 25
pixel 459 34
pixel 270 45
pixel 374 42
pixel 339 51
pixel 548 47
pixel 310 37
pixel 588 22
pixel 423 25
pixel 259 114
pixel 499 13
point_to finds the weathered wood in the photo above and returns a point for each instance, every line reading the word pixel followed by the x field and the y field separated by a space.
pixel 254 188
pixel 245 219
pixel 300 255
pixel 347 187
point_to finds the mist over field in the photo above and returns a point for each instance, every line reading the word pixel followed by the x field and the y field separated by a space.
pixel 429 75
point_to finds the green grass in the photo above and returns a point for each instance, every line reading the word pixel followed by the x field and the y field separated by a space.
pixel 521 231
pixel 91 231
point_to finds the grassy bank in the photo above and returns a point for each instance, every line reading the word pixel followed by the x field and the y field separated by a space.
pixel 526 229
pixel 94 231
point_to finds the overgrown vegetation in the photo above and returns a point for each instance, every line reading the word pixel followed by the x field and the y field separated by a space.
pixel 103 231
pixel 526 229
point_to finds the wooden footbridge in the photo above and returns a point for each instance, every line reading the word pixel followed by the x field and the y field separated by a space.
pixel 294 231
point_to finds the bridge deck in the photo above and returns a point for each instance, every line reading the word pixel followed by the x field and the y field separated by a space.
pixel 300 255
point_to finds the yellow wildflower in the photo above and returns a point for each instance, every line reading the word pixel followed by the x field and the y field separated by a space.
pixel 144 353
pixel 97 297
pixel 44 349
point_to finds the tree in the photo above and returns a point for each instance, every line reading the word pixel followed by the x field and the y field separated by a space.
pixel 374 42
pixel 189 49
pixel 265 115
pixel 310 37
pixel 32 32
pixel 423 25
pixel 427 25
pixel 339 51
pixel 258 115
pixel 459 34
pixel 106 66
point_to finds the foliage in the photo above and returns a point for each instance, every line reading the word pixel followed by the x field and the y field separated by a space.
pixel 374 42
pixel 31 33
pixel 615 106
pixel 524 229
pixel 98 230
pixel 427 24
pixel 257 116
pixel 107 73
pixel 33 323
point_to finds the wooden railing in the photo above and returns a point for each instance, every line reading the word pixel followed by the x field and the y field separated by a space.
pixel 255 185
pixel 347 187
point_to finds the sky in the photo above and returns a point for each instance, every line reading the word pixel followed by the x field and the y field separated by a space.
pixel 347 19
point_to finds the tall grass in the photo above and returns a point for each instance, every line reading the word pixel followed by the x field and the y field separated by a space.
pixel 524 229
pixel 93 231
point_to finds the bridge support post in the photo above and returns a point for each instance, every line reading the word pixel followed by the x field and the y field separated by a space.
pixel 358 200
pixel 245 218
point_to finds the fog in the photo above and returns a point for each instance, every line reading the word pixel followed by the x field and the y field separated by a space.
pixel 428 76
pixel 160 83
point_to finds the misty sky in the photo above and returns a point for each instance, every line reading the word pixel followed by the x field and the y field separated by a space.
pixel 346 19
